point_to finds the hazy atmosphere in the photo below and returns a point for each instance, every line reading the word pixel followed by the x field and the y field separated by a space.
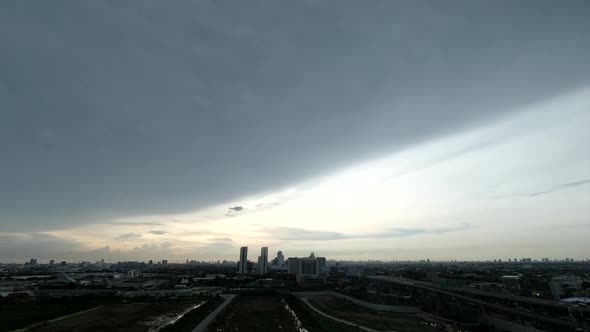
pixel 402 130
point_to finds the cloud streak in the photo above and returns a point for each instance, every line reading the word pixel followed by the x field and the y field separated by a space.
pixel 560 187
pixel 302 234
pixel 128 236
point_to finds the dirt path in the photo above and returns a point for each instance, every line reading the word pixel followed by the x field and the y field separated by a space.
pixel 205 322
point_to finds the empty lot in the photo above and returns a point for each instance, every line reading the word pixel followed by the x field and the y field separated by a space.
pixel 120 317
pixel 255 313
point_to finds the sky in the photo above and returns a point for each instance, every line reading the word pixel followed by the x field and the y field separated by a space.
pixel 386 130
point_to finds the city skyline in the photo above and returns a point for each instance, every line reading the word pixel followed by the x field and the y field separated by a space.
pixel 243 267
pixel 402 131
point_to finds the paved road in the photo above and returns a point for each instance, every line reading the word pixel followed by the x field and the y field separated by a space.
pixel 495 306
pixel 515 298
pixel 202 327
pixel 363 328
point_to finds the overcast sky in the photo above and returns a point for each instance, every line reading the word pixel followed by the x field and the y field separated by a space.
pixel 381 129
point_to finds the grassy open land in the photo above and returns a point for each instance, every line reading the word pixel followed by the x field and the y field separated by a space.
pixel 387 299
pixel 120 317
pixel 194 317
pixel 312 321
pixel 382 321
pixel 252 312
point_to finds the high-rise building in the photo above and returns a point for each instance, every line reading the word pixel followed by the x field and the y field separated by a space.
pixel 52 261
pixel 263 261
pixel 309 265
pixel 33 261
pixel 293 265
pixel 320 265
pixel 164 261
pixel 243 264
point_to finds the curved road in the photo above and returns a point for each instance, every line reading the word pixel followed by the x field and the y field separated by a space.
pixel 363 328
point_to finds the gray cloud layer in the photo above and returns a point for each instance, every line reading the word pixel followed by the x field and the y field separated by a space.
pixel 123 108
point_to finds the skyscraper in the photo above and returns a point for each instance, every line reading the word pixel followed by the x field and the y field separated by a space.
pixel 263 260
pixel 243 264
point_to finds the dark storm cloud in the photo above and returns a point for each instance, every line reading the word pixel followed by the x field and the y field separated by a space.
pixel 232 211
pixel 113 109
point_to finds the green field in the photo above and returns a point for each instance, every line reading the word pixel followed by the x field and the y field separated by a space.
pixel 314 322
pixel 381 321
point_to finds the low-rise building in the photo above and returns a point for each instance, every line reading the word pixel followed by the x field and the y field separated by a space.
pixel 511 282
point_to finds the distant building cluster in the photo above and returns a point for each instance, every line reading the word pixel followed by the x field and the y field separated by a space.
pixel 309 270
